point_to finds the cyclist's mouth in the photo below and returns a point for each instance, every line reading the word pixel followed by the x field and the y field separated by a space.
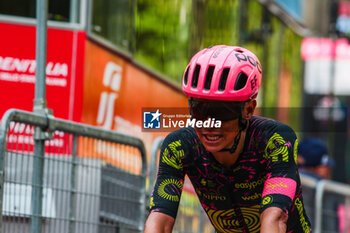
pixel 212 138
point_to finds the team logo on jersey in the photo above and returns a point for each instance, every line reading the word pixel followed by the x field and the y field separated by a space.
pixel 174 160
pixel 250 185
pixel 151 203
pixel 296 150
pixel 168 187
pixel 277 149
pixel 227 221
pixel 303 221
pixel 208 183
pixel 251 197
pixel 267 200
pixel 211 196
pixel 151 120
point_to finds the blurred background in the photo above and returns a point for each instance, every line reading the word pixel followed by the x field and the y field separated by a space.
pixel 109 59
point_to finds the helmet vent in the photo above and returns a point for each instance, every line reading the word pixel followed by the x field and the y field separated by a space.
pixel 195 76
pixel 241 81
pixel 223 79
pixel 186 75
pixel 209 77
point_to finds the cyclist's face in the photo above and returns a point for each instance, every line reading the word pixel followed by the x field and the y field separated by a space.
pixel 216 139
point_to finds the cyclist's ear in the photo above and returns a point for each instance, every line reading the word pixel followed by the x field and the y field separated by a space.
pixel 248 109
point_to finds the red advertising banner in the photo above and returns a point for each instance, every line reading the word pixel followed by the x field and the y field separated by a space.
pixel 64 78
pixel 65 56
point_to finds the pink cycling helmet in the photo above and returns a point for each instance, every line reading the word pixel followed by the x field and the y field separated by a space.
pixel 223 73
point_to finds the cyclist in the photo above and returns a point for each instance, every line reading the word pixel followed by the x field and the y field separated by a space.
pixel 244 172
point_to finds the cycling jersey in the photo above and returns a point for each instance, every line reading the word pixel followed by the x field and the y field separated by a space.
pixel 264 175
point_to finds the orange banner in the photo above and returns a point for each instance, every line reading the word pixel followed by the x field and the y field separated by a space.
pixel 115 91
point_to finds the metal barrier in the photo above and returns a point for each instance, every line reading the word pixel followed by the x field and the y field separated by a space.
pixel 92 180
pixel 328 205
pixel 191 217
pixel 330 197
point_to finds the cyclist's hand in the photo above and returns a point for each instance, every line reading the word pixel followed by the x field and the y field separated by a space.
pixel 273 220
pixel 159 223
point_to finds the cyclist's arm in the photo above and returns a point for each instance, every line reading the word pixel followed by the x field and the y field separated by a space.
pixel 281 181
pixel 159 223
pixel 167 190
pixel 273 220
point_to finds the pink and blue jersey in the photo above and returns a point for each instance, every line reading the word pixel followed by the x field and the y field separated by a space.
pixel 264 175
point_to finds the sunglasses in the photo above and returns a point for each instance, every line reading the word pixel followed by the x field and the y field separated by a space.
pixel 220 110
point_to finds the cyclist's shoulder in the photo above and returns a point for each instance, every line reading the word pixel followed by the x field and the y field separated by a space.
pixel 269 126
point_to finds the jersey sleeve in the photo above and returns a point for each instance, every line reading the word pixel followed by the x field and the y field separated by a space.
pixel 282 177
pixel 170 177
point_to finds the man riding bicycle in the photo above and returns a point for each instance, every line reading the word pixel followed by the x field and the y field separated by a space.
pixel 244 172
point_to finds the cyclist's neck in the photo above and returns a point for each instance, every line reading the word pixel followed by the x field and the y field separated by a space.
pixel 228 159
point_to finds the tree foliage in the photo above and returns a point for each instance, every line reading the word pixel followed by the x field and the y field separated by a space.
pixel 169 32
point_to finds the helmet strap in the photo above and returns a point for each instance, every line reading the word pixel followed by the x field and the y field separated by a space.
pixel 242 125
